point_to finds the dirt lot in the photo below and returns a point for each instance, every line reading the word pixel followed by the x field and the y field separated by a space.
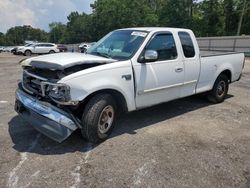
pixel 184 143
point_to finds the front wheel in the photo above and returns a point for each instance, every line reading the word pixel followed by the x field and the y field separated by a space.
pixel 51 52
pixel 220 89
pixel 27 53
pixel 98 118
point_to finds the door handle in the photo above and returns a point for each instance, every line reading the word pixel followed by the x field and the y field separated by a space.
pixel 178 69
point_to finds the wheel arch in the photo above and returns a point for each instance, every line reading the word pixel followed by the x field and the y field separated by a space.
pixel 118 96
pixel 228 73
pixel 27 50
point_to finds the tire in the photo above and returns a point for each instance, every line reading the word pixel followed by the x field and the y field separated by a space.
pixel 52 52
pixel 98 118
pixel 27 53
pixel 220 89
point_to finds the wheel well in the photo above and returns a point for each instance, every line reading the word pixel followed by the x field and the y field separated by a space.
pixel 27 51
pixel 228 74
pixel 119 99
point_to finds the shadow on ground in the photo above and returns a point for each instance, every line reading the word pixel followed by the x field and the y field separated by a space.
pixel 23 135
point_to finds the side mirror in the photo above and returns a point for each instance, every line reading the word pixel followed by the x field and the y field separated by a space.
pixel 149 56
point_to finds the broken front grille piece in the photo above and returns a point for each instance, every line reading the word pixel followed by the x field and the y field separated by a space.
pixel 32 83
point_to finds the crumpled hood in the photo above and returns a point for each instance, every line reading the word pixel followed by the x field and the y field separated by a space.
pixel 61 61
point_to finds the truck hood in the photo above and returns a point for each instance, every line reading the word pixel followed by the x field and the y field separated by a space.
pixel 61 61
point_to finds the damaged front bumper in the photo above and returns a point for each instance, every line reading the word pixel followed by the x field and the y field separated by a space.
pixel 44 117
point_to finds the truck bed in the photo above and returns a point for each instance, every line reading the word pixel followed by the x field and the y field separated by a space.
pixel 213 63
pixel 207 53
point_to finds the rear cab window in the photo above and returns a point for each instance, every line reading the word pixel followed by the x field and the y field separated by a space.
pixel 187 44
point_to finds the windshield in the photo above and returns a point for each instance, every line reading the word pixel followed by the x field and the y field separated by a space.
pixel 120 45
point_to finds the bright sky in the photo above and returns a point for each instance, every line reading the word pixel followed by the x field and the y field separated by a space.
pixel 38 13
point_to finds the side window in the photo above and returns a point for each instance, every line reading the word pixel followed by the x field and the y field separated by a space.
pixel 164 44
pixel 187 44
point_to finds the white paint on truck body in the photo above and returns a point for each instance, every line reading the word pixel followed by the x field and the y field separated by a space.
pixel 108 76
pixel 151 83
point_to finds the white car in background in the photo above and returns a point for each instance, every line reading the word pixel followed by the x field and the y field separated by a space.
pixel 38 48
pixel 16 49
pixel 7 48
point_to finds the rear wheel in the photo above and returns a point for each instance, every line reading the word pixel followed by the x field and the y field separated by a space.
pixel 98 118
pixel 220 89
pixel 27 53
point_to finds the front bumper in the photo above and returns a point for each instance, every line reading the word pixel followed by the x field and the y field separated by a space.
pixel 44 117
pixel 19 52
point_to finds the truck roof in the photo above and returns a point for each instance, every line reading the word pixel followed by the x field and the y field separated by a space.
pixel 156 29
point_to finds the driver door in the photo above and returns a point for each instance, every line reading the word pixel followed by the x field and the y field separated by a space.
pixel 161 80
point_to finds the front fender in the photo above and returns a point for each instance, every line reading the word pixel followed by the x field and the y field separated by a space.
pixel 84 83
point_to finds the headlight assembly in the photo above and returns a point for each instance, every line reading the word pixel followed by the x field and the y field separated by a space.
pixel 59 93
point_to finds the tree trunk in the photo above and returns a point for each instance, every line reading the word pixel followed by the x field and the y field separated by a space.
pixel 241 18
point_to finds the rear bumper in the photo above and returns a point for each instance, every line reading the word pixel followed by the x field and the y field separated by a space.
pixel 44 117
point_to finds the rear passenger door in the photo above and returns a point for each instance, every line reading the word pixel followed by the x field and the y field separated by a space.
pixel 159 81
pixel 48 47
pixel 39 48
pixel 191 61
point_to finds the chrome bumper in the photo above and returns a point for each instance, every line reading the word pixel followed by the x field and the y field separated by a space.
pixel 46 118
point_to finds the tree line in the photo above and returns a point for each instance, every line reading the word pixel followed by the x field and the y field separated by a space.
pixel 204 17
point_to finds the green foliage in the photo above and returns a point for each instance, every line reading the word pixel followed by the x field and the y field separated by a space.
pixel 245 29
pixel 176 13
pixel 212 21
pixel 3 40
pixel 231 17
pixel 57 32
pixel 17 35
pixel 114 14
pixel 77 27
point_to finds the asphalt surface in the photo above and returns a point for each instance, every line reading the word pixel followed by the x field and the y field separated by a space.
pixel 183 143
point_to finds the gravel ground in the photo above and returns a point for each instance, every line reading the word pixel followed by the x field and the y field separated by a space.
pixel 183 143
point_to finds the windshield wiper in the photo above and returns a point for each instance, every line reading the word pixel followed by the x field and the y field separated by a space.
pixel 103 55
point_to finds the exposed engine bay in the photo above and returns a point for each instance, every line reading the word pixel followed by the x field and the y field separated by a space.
pixel 57 74
pixel 42 73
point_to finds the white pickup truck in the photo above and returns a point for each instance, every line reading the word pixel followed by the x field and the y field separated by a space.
pixel 127 70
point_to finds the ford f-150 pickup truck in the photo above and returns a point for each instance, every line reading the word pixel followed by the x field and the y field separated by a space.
pixel 127 70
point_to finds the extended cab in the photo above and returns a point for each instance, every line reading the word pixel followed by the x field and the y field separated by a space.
pixel 127 70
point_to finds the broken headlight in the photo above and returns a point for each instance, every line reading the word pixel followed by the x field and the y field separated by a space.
pixel 60 93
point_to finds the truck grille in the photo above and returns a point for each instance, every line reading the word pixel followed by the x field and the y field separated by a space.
pixel 32 83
